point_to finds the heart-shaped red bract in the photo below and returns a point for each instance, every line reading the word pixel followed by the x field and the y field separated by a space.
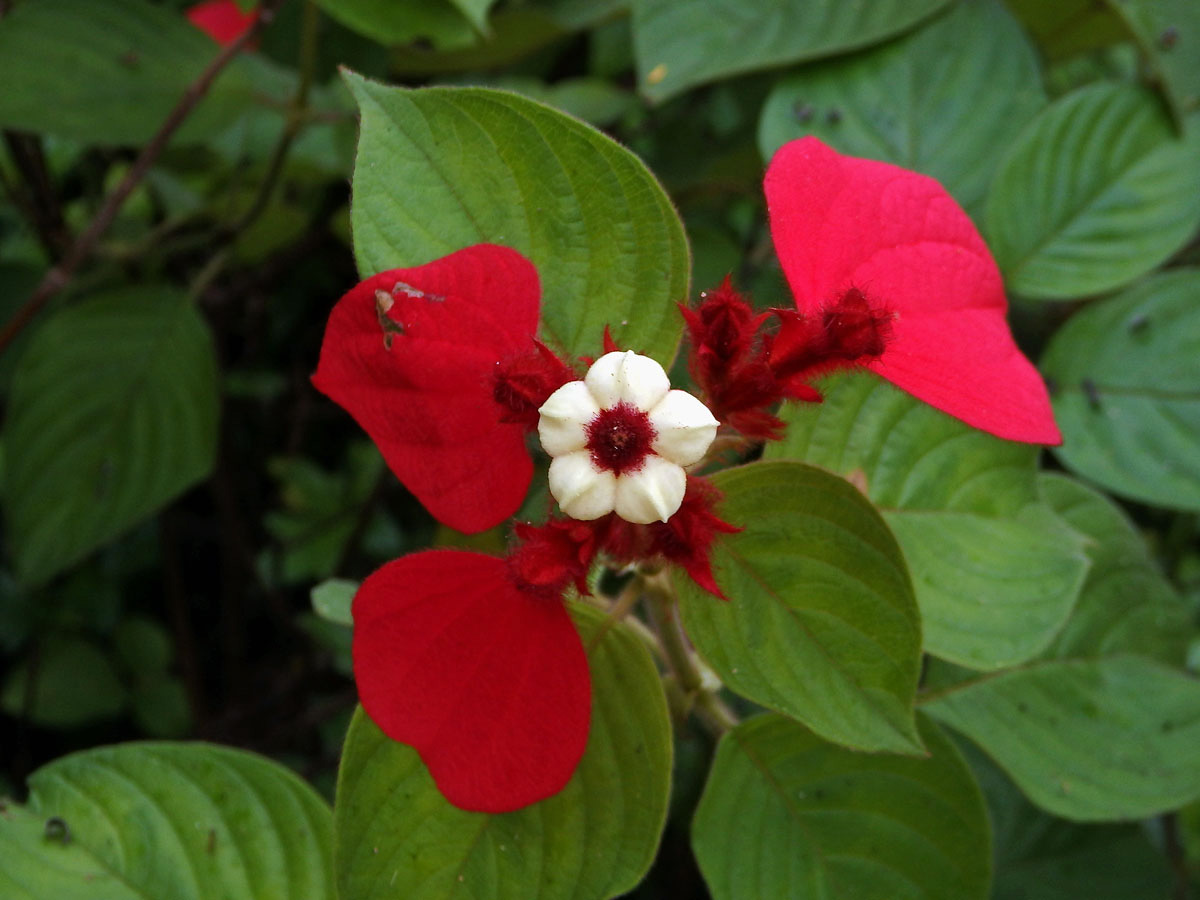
pixel 488 682
pixel 222 20
pixel 423 389
pixel 840 222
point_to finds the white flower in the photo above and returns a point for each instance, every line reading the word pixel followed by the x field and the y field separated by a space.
pixel 620 440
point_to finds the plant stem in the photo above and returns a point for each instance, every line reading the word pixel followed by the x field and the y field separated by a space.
pixel 659 596
pixel 60 275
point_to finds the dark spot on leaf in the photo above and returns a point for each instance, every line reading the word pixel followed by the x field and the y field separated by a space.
pixel 1167 727
pixel 1169 37
pixel 1022 708
pixel 833 116
pixel 1138 323
pixel 1091 392
pixel 803 112
pixel 57 830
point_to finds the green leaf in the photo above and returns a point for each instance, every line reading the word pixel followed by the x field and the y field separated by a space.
pixel 331 600
pixel 442 168
pixel 1127 390
pixel 395 835
pixel 820 623
pixel 1168 32
pixel 1039 857
pixel 680 45
pixel 110 72
pixel 995 573
pixel 156 820
pixel 1126 605
pixel 786 816
pixel 476 11
pixel 1068 27
pixel 1092 740
pixel 441 22
pixel 113 414
pixel 1096 191
pixel 75 684
pixel 946 100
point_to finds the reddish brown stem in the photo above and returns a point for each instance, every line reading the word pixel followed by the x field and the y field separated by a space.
pixel 60 275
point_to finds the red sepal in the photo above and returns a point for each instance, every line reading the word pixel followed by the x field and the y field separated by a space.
pixel 610 345
pixel 687 537
pixel 222 20
pixel 840 222
pixel 551 556
pixel 419 377
pixel 523 383
pixel 488 682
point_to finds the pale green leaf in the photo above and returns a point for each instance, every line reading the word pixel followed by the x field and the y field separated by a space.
pixel 820 622
pixel 148 821
pixel 787 816
pixel 1127 390
pixel 440 169
pixel 945 100
pixel 1095 740
pixel 1097 191
pixel 995 573
pixel 396 836
pixel 680 45
pixel 113 413
pixel 1126 605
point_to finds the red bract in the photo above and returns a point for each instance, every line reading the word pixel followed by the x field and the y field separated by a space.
pixel 222 20
pixel 842 224
pixel 415 355
pixel 487 680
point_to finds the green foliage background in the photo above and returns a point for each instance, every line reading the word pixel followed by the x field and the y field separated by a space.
pixel 951 667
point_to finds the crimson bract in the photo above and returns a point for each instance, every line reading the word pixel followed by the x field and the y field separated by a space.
pixel 473 659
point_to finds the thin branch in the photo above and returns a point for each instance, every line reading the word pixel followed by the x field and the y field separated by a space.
pixel 60 275
pixel 40 207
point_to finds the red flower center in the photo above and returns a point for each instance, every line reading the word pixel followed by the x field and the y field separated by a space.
pixel 619 438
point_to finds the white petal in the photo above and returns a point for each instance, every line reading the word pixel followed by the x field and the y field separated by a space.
pixel 651 494
pixel 565 416
pixel 582 490
pixel 684 426
pixel 618 376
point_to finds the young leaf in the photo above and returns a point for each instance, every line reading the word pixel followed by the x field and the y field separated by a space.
pixel 440 169
pixel 945 100
pixel 1127 371
pixel 113 414
pixel 1126 605
pixel 995 573
pixel 821 623
pixel 1095 740
pixel 1097 191
pixel 331 600
pixel 786 814
pixel 155 820
pixel 681 45
pixel 593 840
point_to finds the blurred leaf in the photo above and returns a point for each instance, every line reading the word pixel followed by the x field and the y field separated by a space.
pixel 945 100
pixel 787 815
pixel 151 820
pixel 441 22
pixel 595 100
pixel 1067 27
pixel 1097 740
pixel 17 283
pixel 160 707
pixel 143 646
pixel 331 600
pixel 680 45
pixel 995 573
pixel 442 168
pixel 1126 605
pixel 321 510
pixel 820 623
pixel 111 72
pixel 74 684
pixel 1095 192
pixel 113 414
pixel 1169 34
pixel 475 10
pixel 594 840
pixel 332 637
pixel 1127 375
